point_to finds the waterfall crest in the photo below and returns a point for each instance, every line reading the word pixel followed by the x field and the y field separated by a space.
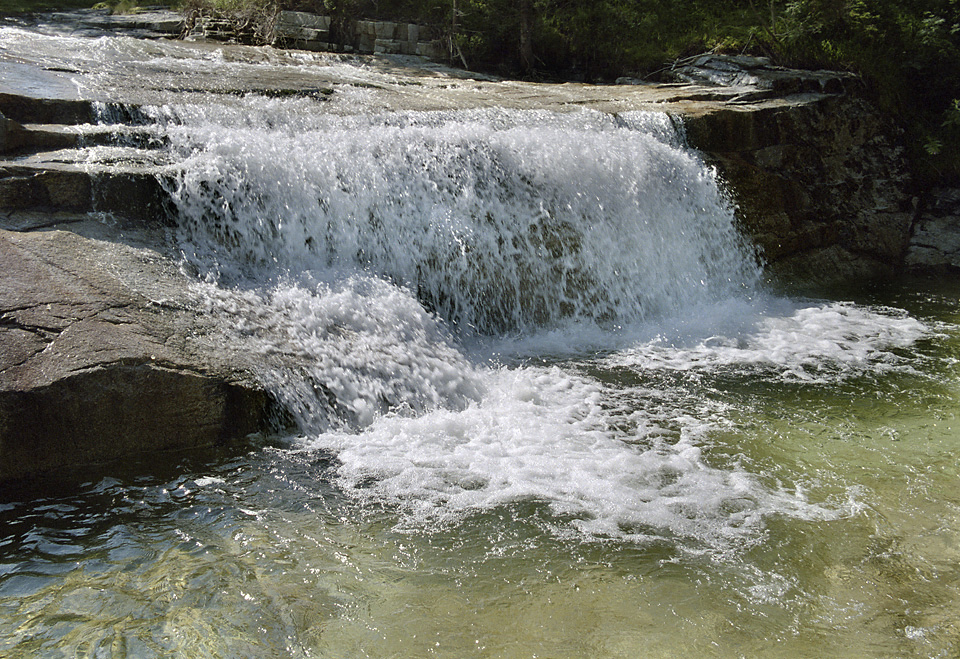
pixel 499 221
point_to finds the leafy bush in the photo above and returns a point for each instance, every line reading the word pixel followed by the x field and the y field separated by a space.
pixel 909 54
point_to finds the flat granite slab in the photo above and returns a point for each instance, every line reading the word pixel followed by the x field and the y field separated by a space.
pixel 102 353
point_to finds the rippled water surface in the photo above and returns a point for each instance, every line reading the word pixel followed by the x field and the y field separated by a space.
pixel 778 515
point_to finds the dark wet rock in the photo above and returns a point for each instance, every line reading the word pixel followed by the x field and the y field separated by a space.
pixel 55 186
pixel 11 135
pixel 16 138
pixel 821 183
pixel 51 187
pixel 30 109
pixel 935 244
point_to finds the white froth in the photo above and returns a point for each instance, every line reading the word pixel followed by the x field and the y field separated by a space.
pixel 342 354
pixel 544 435
pixel 500 220
pixel 812 342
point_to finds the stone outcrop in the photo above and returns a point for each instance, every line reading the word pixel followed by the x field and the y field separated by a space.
pixel 295 29
pixel 935 244
pixel 102 355
pixel 819 178
pixel 315 32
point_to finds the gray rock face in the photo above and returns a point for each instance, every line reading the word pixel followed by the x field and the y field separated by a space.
pixel 820 179
pixel 935 244
pixel 101 356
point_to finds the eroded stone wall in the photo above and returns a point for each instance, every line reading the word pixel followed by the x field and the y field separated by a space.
pixel 821 185
pixel 314 32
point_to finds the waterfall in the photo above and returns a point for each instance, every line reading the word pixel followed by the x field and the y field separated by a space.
pixel 474 308
pixel 469 309
pixel 540 402
pixel 499 221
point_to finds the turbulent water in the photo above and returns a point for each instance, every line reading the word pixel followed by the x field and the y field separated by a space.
pixel 544 405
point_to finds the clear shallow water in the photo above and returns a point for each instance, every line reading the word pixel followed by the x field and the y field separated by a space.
pixel 544 406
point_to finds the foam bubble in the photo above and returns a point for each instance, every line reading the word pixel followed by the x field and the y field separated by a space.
pixel 811 342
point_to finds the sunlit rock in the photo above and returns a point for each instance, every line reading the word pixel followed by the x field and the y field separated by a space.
pixel 102 356
pixel 935 244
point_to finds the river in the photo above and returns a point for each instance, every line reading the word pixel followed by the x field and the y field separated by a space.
pixel 542 403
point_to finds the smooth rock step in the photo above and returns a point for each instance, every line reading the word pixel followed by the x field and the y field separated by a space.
pixel 132 193
pixel 152 383
pixel 25 109
pixel 16 138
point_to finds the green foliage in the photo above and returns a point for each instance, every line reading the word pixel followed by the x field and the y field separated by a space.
pixel 908 53
pixel 14 7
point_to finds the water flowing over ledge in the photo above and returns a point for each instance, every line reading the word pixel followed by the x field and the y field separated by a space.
pixel 522 385
pixel 818 176
pixel 470 210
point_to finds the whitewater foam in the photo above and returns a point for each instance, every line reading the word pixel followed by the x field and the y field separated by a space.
pixel 411 252
pixel 397 276
pixel 547 436
pixel 816 342
pixel 338 355
pixel 499 220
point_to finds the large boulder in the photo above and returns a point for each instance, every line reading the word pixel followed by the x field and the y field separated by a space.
pixel 103 356
pixel 820 179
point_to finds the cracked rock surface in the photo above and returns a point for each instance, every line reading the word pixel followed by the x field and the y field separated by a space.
pixel 102 355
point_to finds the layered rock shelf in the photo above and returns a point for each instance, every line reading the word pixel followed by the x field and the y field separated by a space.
pixel 101 352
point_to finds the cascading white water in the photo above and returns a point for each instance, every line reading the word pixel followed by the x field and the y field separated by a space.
pixel 543 405
pixel 351 235
pixel 374 263
pixel 440 297
pixel 499 221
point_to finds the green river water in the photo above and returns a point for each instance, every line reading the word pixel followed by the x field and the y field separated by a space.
pixel 259 554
